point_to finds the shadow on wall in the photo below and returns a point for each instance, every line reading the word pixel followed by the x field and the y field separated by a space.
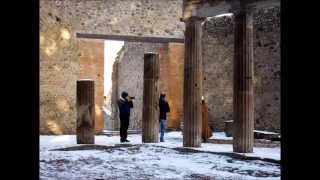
pixel 52 116
pixel 53 127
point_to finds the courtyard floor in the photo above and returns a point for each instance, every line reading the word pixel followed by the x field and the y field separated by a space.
pixel 61 158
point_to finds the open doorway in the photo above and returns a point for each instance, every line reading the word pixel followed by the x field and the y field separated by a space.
pixel 96 62
pixel 111 53
pixel 115 63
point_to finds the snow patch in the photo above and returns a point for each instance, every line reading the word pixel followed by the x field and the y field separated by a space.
pixel 149 161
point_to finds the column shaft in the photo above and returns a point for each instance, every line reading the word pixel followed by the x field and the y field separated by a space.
pixel 150 116
pixel 243 83
pixel 192 122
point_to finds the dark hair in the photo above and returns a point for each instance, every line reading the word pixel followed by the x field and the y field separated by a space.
pixel 161 99
pixel 124 94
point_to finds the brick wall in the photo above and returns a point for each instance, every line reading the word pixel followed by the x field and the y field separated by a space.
pixel 175 84
pixel 92 67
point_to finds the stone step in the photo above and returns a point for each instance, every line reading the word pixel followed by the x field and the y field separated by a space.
pixel 266 135
pixel 117 133
pixel 257 142
pixel 257 133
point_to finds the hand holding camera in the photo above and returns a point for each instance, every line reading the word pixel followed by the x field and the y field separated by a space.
pixel 130 98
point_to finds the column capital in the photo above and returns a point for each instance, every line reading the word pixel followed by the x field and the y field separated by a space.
pixel 240 11
pixel 240 7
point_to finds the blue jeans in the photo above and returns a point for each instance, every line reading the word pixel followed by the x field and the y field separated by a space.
pixel 162 129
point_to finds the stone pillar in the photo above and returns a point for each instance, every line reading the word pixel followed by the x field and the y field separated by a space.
pixel 192 122
pixel 243 82
pixel 150 115
pixel 85 112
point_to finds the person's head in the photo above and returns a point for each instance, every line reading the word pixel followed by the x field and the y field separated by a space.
pixel 162 96
pixel 124 95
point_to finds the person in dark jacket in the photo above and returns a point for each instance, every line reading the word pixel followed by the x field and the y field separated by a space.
pixel 125 104
pixel 164 109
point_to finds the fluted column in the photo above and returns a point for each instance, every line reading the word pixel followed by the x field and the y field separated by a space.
pixel 85 112
pixel 150 116
pixel 192 122
pixel 243 82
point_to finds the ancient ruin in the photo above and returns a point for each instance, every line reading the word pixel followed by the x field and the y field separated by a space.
pixel 227 51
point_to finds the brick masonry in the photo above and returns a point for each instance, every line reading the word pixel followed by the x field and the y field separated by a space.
pixel 92 67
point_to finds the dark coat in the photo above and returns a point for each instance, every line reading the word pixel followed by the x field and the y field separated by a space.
pixel 164 109
pixel 124 108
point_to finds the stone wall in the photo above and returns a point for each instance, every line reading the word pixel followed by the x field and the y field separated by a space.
pixel 60 20
pixel 218 51
pixel 59 70
pixel 218 69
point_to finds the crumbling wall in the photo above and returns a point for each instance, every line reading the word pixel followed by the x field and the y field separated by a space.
pixel 218 51
pixel 130 76
pixel 115 121
pixel 60 20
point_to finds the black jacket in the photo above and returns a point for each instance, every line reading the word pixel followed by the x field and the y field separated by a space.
pixel 124 108
pixel 164 109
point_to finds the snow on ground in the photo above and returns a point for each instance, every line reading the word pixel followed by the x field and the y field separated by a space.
pixel 271 153
pixel 149 161
pixel 265 132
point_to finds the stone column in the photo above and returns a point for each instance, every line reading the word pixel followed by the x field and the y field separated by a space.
pixel 192 122
pixel 150 115
pixel 243 82
pixel 85 112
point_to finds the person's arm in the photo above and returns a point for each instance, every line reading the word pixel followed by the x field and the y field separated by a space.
pixel 168 108
pixel 119 104
pixel 130 103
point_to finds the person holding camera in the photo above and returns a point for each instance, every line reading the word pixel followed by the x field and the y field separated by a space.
pixel 125 104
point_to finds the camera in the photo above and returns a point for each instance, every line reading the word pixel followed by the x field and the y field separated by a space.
pixel 132 97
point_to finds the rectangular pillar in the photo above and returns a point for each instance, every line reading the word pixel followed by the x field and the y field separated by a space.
pixel 85 112
pixel 192 122
pixel 243 82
